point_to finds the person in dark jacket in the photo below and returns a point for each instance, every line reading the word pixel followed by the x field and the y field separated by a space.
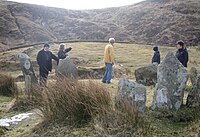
pixel 62 53
pixel 156 56
pixel 182 53
pixel 44 60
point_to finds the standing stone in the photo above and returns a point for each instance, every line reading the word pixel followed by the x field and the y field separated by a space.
pixel 193 99
pixel 147 75
pixel 193 75
pixel 133 92
pixel 66 68
pixel 172 78
pixel 28 73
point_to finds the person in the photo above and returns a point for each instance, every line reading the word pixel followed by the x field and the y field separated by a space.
pixel 109 60
pixel 62 53
pixel 44 60
pixel 182 53
pixel 156 56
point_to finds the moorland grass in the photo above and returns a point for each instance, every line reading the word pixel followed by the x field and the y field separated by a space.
pixel 8 86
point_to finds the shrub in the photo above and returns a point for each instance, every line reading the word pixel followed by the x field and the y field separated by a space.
pixel 7 86
pixel 74 101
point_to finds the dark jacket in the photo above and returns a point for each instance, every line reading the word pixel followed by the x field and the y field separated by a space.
pixel 44 60
pixel 156 57
pixel 182 55
pixel 62 53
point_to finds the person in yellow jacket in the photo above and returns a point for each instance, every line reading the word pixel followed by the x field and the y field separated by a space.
pixel 109 60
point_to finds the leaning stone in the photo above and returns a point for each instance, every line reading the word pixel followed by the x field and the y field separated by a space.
pixel 133 92
pixel 172 78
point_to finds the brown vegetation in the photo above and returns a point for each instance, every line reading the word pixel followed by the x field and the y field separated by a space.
pixel 7 86
pixel 76 103
pixel 73 100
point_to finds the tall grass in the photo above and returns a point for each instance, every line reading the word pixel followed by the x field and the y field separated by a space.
pixel 8 86
pixel 123 120
pixel 82 102
pixel 74 101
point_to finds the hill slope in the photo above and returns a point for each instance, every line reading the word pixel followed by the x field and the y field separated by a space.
pixel 151 21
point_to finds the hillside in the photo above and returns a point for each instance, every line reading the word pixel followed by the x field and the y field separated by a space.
pixel 153 21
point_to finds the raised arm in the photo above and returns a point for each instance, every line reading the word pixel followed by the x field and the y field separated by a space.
pixel 68 49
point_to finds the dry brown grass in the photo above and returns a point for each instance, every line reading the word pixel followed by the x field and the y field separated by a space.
pixel 123 120
pixel 79 102
pixel 76 101
pixel 7 86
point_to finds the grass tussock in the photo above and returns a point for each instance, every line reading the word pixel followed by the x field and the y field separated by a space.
pixel 8 86
pixel 74 101
pixel 123 120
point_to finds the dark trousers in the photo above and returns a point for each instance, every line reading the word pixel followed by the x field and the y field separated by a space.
pixel 43 77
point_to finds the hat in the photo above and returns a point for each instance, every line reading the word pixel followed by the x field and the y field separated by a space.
pixel 180 42
pixel 155 48
pixel 46 45
pixel 111 40
pixel 62 44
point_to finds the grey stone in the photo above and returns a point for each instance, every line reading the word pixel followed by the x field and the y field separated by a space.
pixel 193 75
pixel 193 99
pixel 133 92
pixel 28 73
pixel 172 77
pixel 66 68
pixel 147 75
pixel 91 72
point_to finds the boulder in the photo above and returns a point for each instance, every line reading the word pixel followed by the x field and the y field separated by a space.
pixel 91 72
pixel 66 68
pixel 193 99
pixel 172 77
pixel 147 75
pixel 133 92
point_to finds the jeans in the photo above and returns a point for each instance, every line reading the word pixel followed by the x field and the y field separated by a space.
pixel 108 73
